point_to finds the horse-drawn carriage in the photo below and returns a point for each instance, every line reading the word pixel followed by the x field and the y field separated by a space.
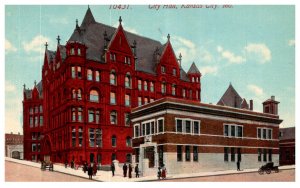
pixel 47 164
pixel 268 168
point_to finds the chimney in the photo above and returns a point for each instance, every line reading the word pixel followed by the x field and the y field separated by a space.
pixel 251 105
pixel 273 98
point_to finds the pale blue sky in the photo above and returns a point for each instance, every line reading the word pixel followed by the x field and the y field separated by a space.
pixel 253 47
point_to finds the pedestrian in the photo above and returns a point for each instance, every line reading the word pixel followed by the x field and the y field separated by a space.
pixel 72 163
pixel 66 163
pixel 113 169
pixel 129 170
pixel 238 163
pixel 136 170
pixel 90 171
pixel 85 167
pixel 163 172
pixel 124 170
pixel 94 170
pixel 159 173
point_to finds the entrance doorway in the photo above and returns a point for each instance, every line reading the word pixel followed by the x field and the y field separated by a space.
pixel 16 155
pixel 149 154
pixel 92 158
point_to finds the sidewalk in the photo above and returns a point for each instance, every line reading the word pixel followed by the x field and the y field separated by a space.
pixel 106 176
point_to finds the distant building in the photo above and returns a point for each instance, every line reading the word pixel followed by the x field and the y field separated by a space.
pixel 287 146
pixel 14 146
pixel 190 137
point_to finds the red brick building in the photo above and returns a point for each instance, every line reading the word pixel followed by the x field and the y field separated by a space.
pixel 287 146
pixel 80 109
pixel 189 137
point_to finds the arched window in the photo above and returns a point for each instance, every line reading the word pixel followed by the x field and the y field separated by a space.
pixel 72 51
pixel 173 89
pixel 128 141
pixel 127 80
pixel 113 117
pixel 89 75
pixel 79 96
pixel 94 96
pixel 127 100
pixel 193 79
pixel 163 87
pixel 113 141
pixel 113 78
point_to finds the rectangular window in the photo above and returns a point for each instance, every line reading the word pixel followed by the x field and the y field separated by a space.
pixel 136 131
pixel 239 131
pixel 179 125
pixel 148 128
pixel 36 109
pixel 183 93
pixel 196 127
pixel 226 130
pixel 225 154
pixel 127 119
pixel 91 137
pixel 163 69
pixel 163 88
pixel 145 85
pixel 265 155
pixel 97 76
pixel 73 137
pixel 33 136
pixel 188 126
pixel 232 154
pixel 259 154
pixel 269 133
pixel 113 57
pixel 152 128
pixel 195 153
pixel 36 121
pixel 151 87
pixel 41 108
pixel 259 133
pixel 112 98
pixel 73 72
pixel 31 111
pixel 91 115
pixel 79 75
pixel 179 153
pixel 97 116
pixel 264 133
pixel 80 119
pixel 80 136
pixel 143 129
pixel 98 138
pixel 41 120
pixel 127 100
pixel 33 147
pixel 160 125
pixel 113 141
pixel 89 74
pixel 31 121
pixel 140 85
pixel 127 60
pixel 113 117
pixel 270 155
pixel 232 127
pixel 187 153
pixel 145 100
pixel 139 101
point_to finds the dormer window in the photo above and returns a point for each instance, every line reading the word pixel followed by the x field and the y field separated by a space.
pixel 163 69
pixel 127 60
pixel 113 57
pixel 72 51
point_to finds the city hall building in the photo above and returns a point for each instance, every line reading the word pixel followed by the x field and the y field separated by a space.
pixel 189 136
pixel 80 109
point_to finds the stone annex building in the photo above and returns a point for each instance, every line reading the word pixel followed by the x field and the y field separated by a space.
pixel 80 109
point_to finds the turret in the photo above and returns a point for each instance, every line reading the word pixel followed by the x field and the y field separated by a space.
pixel 270 106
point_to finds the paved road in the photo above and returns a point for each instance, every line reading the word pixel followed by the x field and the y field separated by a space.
pixel 22 173
pixel 282 176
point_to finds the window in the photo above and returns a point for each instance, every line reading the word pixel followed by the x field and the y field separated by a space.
pixel 160 124
pixel 73 114
pixel 79 75
pixel 94 96
pixel 269 133
pixel 151 87
pixel 112 98
pixel 98 138
pixel 92 137
pixel 127 119
pixel 73 137
pixel 163 87
pixel 113 141
pixel 183 93
pixel 127 60
pixel 173 89
pixel 79 51
pixel 80 119
pixel 33 146
pixel 264 134
pixel 145 85
pixel 226 154
pixel 196 127
pixel 36 121
pixel 36 109
pixel 259 154
pixel 113 156
pixel 91 115
pixel 232 127
pixel 270 155
pixel 193 79
pixel 127 100
pixel 265 155
pixel 97 76
pixel 226 130
pixel 239 131
pixel 113 117
pixel 89 74
pixel 179 153
pixel 136 131
pixel 163 69
pixel 41 121
pixel 232 154
pixel 80 136
pixel 113 78
pixel 79 97
pixel 140 85
pixel 187 153
pixel 41 108
pixel 178 125
pixel 145 100
pixel 31 111
pixel 127 81
pixel 139 101
pixel 148 128
pixel 31 121
pixel 258 133
pixel 174 72
pixel 97 116
pixel 74 96
pixel 113 57
pixel 73 71
pixel 195 153
pixel 128 141
pixel 188 126
pixel 72 51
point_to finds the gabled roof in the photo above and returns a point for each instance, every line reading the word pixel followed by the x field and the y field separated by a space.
pixel 50 55
pixel 91 34
pixel 193 69
pixel 231 98
pixel 287 133
pixel 39 87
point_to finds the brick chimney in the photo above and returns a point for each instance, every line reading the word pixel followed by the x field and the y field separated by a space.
pixel 251 105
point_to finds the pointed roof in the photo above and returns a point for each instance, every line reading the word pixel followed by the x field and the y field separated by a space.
pixel 88 19
pixel 232 98
pixel 193 69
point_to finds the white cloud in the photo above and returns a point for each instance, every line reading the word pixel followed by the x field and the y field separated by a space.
pixel 291 42
pixel 36 44
pixel 9 47
pixel 9 87
pixel 209 70
pixel 230 56
pixel 258 91
pixel 258 51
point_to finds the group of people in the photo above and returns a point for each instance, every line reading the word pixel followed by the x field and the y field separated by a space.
pixel 125 169
pixel 161 172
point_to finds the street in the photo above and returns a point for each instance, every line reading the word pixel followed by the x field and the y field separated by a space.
pixel 15 172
